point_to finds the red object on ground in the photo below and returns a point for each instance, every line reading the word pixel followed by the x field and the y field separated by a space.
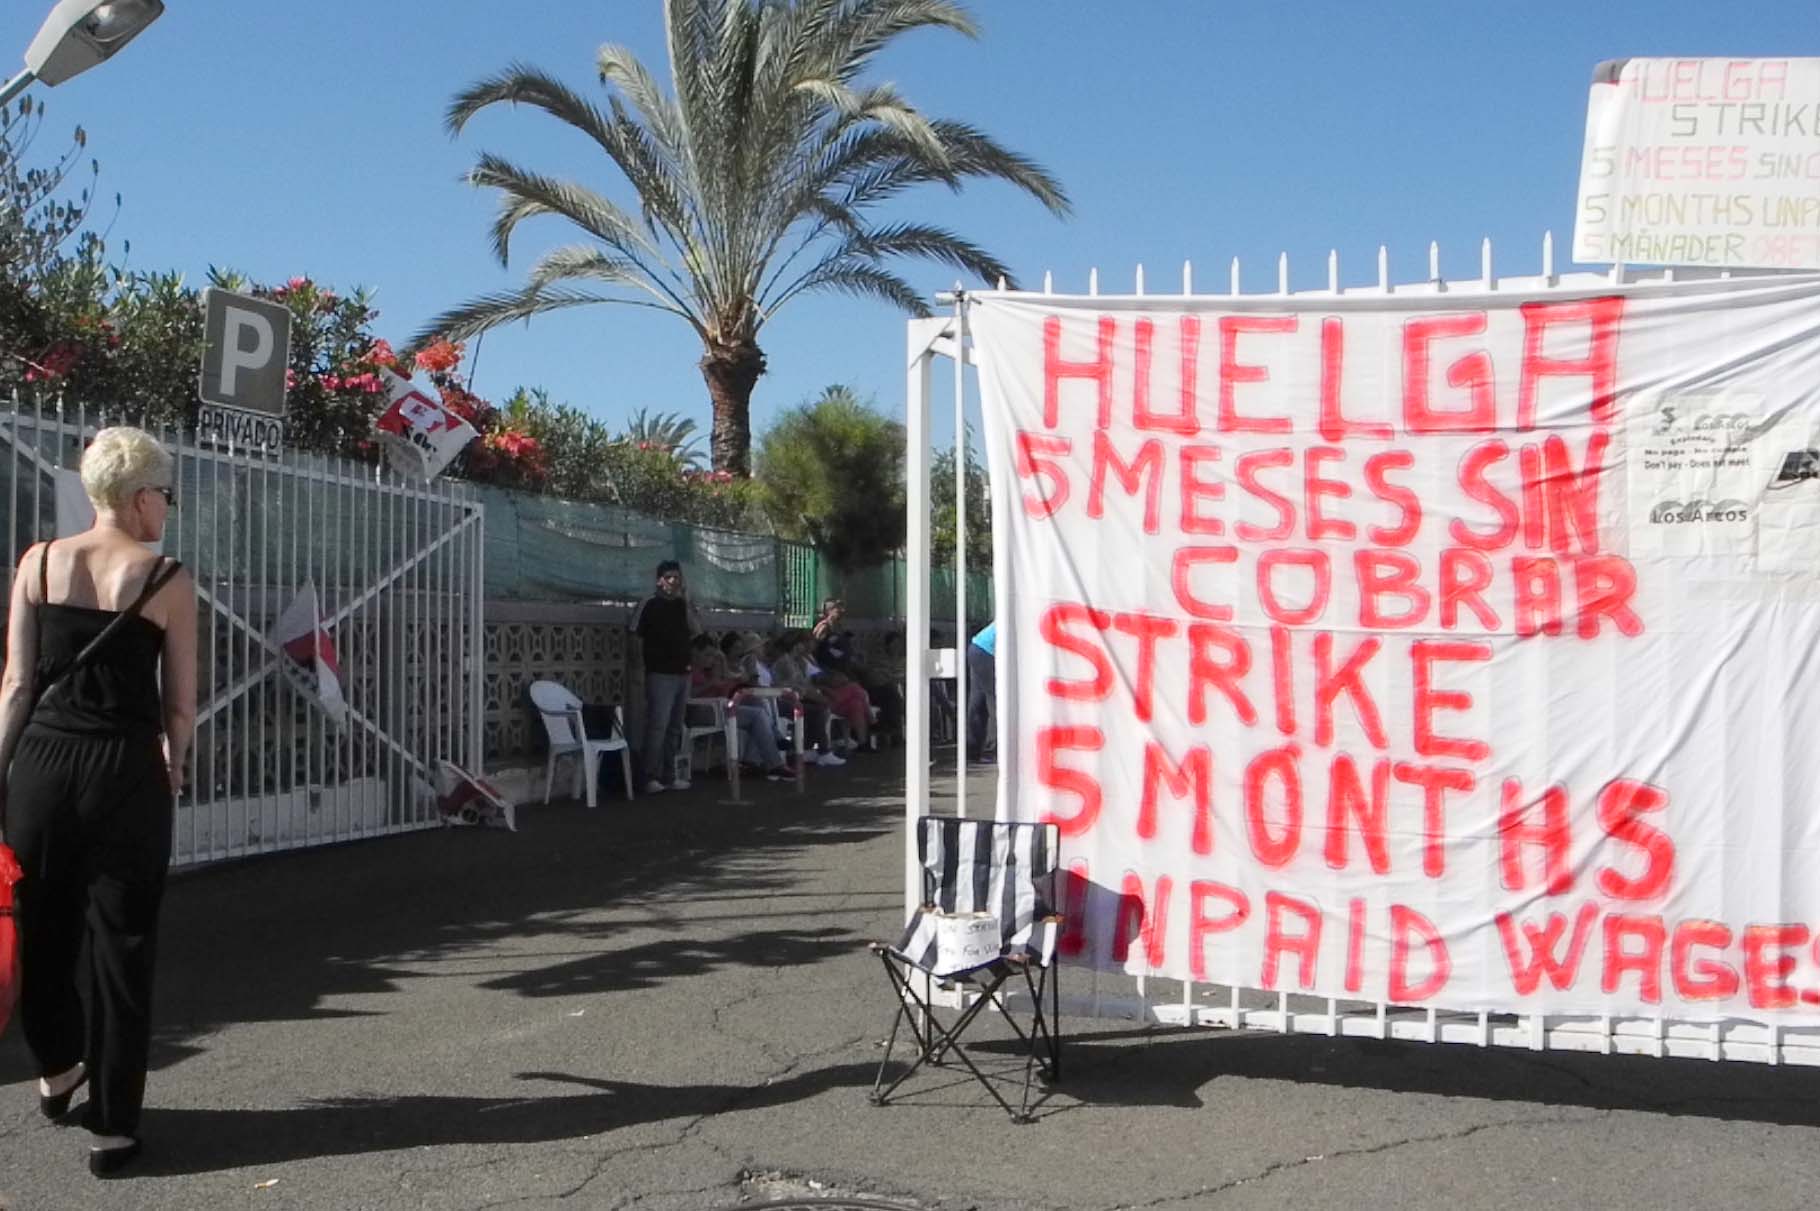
pixel 10 873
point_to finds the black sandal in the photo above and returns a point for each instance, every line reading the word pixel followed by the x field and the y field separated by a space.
pixel 109 1162
pixel 58 1105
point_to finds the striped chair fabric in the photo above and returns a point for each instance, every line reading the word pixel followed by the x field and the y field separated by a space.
pixel 1007 869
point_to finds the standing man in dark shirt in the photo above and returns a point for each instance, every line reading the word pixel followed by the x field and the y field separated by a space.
pixel 664 625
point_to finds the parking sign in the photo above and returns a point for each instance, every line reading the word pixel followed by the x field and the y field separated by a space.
pixel 246 348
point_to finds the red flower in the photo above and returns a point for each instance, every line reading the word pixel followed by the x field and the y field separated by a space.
pixel 439 356
pixel 381 354
pixel 54 362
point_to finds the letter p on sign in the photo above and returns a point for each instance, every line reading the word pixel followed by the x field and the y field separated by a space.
pixel 246 348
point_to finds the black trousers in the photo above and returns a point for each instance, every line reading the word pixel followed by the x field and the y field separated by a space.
pixel 90 819
pixel 982 694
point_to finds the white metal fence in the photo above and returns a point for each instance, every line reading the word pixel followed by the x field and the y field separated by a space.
pixel 398 573
pixel 1171 1002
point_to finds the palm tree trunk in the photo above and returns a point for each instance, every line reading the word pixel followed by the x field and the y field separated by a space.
pixel 731 371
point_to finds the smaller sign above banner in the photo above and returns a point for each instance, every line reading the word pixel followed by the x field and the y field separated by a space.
pixel 420 436
pixel 1702 162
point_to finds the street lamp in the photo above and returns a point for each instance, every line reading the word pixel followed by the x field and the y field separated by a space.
pixel 77 35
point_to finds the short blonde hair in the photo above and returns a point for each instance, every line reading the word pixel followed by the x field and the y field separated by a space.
pixel 121 461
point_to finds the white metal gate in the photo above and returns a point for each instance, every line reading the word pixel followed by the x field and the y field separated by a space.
pixel 1183 1003
pixel 397 568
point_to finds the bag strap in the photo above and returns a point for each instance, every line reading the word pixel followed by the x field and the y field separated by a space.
pixel 162 573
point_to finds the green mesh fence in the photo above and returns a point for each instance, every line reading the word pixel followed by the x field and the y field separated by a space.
pixel 540 548
pixel 883 591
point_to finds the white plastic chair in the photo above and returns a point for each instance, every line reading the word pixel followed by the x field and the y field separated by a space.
pixel 718 725
pixel 560 710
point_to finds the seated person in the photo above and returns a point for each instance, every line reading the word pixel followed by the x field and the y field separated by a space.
pixel 789 670
pixel 709 677
pixel 845 697
pixel 836 655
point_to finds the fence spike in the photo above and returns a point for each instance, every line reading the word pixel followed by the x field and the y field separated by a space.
pixel 1333 270
pixel 1140 279
pixel 1548 256
pixel 1048 282
pixel 1235 275
pixel 1485 263
pixel 1384 268
pixel 1434 262
pixel 1282 273
pixel 1093 281
pixel 1187 277
pixel 1001 283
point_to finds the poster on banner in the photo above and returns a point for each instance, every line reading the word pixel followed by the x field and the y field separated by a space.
pixel 1702 162
pixel 314 666
pixel 1447 651
pixel 420 436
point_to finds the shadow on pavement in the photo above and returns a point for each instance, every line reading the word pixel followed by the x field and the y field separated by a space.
pixel 200 1141
pixel 283 937
pixel 1185 1068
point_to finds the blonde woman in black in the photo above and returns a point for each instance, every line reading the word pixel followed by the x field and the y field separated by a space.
pixel 97 708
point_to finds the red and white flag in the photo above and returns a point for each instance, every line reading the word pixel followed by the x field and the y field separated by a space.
pixel 299 631
pixel 466 799
pixel 420 436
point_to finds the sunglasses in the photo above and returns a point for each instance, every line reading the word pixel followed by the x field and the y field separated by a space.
pixel 169 494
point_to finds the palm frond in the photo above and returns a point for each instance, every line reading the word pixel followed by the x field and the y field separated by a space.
pixel 864 280
pixel 619 68
pixel 520 84
pixel 488 311
pixel 935 244
pixel 863 30
pixel 528 194
pixel 583 262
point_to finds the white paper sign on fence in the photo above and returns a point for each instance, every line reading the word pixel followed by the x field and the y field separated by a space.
pixel 1702 162
pixel 420 436
pixel 1456 651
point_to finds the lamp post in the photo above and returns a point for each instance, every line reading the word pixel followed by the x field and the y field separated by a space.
pixel 77 35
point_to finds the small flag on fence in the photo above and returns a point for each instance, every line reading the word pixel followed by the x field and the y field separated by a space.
pixel 420 436
pixel 465 799
pixel 299 631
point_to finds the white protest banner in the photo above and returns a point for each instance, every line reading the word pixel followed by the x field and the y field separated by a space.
pixel 1459 651
pixel 315 663
pixel 1702 162
pixel 421 437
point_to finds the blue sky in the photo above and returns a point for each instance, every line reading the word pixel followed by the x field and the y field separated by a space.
pixel 284 138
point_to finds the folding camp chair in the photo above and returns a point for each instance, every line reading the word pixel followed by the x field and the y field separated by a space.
pixel 971 867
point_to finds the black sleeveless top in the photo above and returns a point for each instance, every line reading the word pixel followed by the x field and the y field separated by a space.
pixel 116 693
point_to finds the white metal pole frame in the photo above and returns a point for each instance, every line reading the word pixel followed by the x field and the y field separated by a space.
pixel 960 549
pixel 921 338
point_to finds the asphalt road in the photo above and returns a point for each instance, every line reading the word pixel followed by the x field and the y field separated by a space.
pixel 668 1005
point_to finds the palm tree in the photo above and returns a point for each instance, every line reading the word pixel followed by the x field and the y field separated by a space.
pixel 754 177
pixel 667 431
